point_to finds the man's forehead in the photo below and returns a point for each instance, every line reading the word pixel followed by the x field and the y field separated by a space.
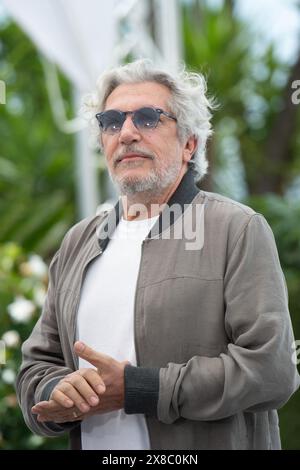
pixel 133 95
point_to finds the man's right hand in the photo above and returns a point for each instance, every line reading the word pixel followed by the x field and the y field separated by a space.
pixel 80 389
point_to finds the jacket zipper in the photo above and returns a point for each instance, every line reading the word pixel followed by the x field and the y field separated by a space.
pixel 135 330
pixel 134 310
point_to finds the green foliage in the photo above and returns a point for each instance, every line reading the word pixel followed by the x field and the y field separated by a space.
pixel 36 209
pixel 283 216
pixel 249 86
pixel 36 168
pixel 23 283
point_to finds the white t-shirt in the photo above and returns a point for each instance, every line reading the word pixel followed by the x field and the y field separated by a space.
pixel 106 323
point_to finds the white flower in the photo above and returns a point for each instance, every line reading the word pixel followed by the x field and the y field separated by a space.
pixel 21 310
pixel 39 295
pixel 37 266
pixel 36 440
pixel 11 338
pixel 8 376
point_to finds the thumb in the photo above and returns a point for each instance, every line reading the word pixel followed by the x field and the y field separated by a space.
pixel 90 355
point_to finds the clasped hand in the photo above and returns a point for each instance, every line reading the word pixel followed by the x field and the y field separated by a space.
pixel 87 391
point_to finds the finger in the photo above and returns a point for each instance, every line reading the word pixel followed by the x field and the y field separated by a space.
pixel 53 416
pixel 71 391
pixel 94 380
pixel 52 412
pixel 36 408
pixel 41 418
pixel 61 418
pixel 80 383
pixel 93 357
pixel 42 406
pixel 62 399
pixel 50 406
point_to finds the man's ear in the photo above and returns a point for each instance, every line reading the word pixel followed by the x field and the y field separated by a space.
pixel 190 148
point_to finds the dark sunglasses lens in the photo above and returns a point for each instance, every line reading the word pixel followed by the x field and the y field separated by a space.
pixel 111 121
pixel 146 118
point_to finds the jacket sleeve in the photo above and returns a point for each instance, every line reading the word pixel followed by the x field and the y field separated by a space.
pixel 43 364
pixel 256 373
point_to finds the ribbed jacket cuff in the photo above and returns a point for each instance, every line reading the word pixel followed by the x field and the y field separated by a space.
pixel 141 390
pixel 47 390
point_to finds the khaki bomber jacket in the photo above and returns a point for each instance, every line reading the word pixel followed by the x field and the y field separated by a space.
pixel 212 330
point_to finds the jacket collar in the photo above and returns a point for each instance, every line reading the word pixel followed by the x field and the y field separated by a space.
pixel 184 194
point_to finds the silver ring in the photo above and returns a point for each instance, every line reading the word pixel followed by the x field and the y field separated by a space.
pixel 75 414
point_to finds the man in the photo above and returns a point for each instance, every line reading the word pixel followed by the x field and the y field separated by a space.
pixel 166 324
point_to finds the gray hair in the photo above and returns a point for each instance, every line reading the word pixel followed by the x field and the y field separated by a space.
pixel 188 102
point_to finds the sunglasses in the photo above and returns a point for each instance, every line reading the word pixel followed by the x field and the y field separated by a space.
pixel 112 120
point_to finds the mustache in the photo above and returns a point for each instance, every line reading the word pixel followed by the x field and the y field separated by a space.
pixel 117 157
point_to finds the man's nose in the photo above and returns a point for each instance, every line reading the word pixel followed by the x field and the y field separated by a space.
pixel 129 133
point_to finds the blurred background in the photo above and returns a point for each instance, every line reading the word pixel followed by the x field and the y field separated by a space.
pixel 50 176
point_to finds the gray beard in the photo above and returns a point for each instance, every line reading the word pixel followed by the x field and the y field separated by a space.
pixel 154 183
